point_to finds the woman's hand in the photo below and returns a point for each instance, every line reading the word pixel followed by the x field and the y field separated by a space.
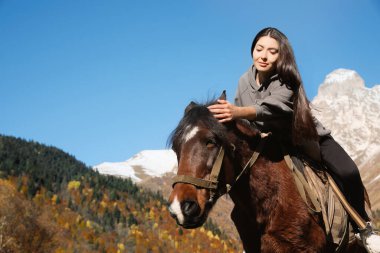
pixel 224 111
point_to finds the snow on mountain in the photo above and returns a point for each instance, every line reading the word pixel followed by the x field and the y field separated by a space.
pixel 147 163
pixel 351 111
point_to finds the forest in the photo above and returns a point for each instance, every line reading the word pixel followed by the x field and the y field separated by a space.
pixel 51 202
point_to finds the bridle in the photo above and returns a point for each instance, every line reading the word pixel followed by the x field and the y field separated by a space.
pixel 212 183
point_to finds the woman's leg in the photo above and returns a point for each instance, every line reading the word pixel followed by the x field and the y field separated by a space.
pixel 344 170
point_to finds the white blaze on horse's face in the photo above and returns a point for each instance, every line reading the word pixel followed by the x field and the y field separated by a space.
pixel 190 133
pixel 175 209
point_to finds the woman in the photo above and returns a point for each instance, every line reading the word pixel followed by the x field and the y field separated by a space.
pixel 271 94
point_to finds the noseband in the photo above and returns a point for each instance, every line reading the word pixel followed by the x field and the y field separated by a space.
pixel 212 183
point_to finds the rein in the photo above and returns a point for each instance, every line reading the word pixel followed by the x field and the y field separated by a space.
pixel 212 183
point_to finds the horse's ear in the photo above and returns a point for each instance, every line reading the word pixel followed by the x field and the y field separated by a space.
pixel 223 96
pixel 190 106
pixel 246 128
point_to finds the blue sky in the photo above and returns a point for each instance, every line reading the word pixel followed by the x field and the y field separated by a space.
pixel 103 80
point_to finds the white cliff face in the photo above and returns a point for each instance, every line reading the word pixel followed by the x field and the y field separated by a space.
pixel 352 112
pixel 339 82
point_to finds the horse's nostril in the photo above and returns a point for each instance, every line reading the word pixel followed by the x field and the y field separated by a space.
pixel 190 208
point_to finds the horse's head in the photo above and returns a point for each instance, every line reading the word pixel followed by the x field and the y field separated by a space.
pixel 199 142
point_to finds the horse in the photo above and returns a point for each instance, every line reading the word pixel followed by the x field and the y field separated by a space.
pixel 236 158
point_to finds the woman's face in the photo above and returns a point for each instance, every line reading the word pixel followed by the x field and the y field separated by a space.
pixel 265 54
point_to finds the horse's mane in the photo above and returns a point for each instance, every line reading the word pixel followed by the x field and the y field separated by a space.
pixel 196 113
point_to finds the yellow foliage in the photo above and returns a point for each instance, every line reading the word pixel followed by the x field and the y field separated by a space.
pixel 88 224
pixel 210 235
pixel 214 245
pixel 23 225
pixel 60 250
pixel 54 199
pixel 73 185
pixel 78 219
pixel 121 246
pixel 38 198
pixel 24 189
pixel 151 215
pixel 157 233
pixel 164 235
pixel 225 246
pixel 85 192
pixel 135 231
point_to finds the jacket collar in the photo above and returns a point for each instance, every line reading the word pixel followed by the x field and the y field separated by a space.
pixel 252 78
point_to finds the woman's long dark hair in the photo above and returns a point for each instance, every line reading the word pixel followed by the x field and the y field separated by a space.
pixel 303 127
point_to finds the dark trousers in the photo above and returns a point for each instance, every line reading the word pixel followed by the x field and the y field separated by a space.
pixel 345 172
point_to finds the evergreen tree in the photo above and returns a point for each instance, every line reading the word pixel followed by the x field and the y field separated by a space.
pixel 32 189
pixel 132 220
pixel 116 214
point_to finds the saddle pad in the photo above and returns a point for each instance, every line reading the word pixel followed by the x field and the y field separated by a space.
pixel 334 215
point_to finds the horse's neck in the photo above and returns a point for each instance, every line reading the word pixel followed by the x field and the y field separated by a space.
pixel 241 196
pixel 260 183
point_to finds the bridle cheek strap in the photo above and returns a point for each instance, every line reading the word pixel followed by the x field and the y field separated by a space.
pixel 198 182
pixel 211 183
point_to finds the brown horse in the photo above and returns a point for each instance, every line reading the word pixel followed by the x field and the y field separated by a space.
pixel 215 158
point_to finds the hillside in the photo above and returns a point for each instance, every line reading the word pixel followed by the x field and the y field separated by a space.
pixel 50 202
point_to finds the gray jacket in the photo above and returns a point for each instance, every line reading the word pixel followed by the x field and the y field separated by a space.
pixel 273 102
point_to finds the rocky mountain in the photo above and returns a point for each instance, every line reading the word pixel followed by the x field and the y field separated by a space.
pixel 351 110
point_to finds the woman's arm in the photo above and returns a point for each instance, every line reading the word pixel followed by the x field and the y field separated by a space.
pixel 225 111
pixel 278 103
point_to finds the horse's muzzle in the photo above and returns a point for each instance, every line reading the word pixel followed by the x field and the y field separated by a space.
pixel 187 213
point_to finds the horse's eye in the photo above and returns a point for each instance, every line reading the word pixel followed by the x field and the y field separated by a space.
pixel 210 144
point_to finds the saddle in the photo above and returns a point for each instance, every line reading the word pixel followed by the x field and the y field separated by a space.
pixel 317 189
